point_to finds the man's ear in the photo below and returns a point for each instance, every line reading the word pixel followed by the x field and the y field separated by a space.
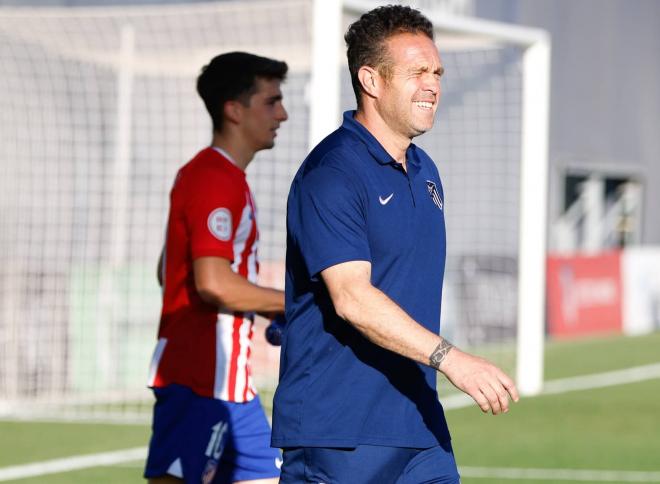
pixel 233 111
pixel 370 81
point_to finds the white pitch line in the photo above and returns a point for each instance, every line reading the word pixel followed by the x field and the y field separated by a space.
pixel 72 463
pixel 573 384
pixel 138 453
pixel 601 380
pixel 560 474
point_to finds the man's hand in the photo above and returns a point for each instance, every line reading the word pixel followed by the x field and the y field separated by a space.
pixel 489 386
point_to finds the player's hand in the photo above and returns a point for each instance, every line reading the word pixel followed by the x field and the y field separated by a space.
pixel 489 386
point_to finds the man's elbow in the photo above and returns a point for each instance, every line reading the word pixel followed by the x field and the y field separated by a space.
pixel 345 305
pixel 211 294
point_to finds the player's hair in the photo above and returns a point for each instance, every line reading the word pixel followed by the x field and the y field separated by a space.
pixel 365 39
pixel 232 77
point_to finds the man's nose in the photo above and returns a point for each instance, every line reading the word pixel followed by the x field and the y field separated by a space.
pixel 283 115
pixel 431 82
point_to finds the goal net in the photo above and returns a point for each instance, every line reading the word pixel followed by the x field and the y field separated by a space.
pixel 98 110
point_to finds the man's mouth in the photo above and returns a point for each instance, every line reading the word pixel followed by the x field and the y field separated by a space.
pixel 423 104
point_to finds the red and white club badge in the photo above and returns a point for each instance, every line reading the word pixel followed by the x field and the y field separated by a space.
pixel 219 223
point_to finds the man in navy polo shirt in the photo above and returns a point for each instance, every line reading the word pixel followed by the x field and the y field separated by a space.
pixel 357 401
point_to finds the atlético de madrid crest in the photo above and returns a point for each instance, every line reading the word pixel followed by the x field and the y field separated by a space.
pixel 433 192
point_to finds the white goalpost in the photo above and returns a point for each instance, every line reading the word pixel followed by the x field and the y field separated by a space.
pixel 98 110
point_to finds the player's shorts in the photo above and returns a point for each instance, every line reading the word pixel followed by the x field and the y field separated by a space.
pixel 205 440
pixel 368 464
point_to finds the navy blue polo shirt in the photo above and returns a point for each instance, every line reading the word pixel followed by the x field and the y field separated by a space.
pixel 351 201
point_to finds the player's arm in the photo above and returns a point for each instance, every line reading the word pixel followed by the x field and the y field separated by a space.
pixel 384 323
pixel 219 285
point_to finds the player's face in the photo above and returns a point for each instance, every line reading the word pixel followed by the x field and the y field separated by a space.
pixel 263 115
pixel 411 92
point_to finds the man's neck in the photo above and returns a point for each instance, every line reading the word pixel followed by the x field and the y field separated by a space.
pixel 233 145
pixel 394 143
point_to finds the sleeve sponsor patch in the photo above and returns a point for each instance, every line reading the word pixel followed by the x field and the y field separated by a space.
pixel 219 223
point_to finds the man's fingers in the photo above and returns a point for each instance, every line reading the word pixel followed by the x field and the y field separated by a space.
pixel 481 400
pixel 492 397
pixel 504 387
pixel 510 386
pixel 502 397
pixel 497 388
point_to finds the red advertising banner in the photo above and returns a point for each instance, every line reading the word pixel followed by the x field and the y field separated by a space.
pixel 584 294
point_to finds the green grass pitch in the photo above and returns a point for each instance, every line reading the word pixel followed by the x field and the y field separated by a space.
pixel 612 428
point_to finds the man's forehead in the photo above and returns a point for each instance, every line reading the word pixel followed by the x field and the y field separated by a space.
pixel 268 86
pixel 407 47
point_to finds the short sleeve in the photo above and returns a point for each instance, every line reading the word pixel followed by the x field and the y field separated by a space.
pixel 215 207
pixel 332 222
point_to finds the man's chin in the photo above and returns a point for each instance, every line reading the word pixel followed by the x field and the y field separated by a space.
pixel 422 125
pixel 420 130
pixel 267 145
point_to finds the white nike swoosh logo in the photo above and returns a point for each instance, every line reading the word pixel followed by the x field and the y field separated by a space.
pixel 383 201
pixel 278 462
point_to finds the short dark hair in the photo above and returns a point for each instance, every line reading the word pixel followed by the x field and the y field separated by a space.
pixel 232 77
pixel 365 38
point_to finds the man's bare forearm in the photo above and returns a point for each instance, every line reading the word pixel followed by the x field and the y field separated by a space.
pixel 218 284
pixel 246 297
pixel 401 334
pixel 379 318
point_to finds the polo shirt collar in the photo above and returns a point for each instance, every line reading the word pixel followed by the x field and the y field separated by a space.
pixel 375 148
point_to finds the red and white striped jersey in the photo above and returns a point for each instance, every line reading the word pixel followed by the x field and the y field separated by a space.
pixel 212 213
